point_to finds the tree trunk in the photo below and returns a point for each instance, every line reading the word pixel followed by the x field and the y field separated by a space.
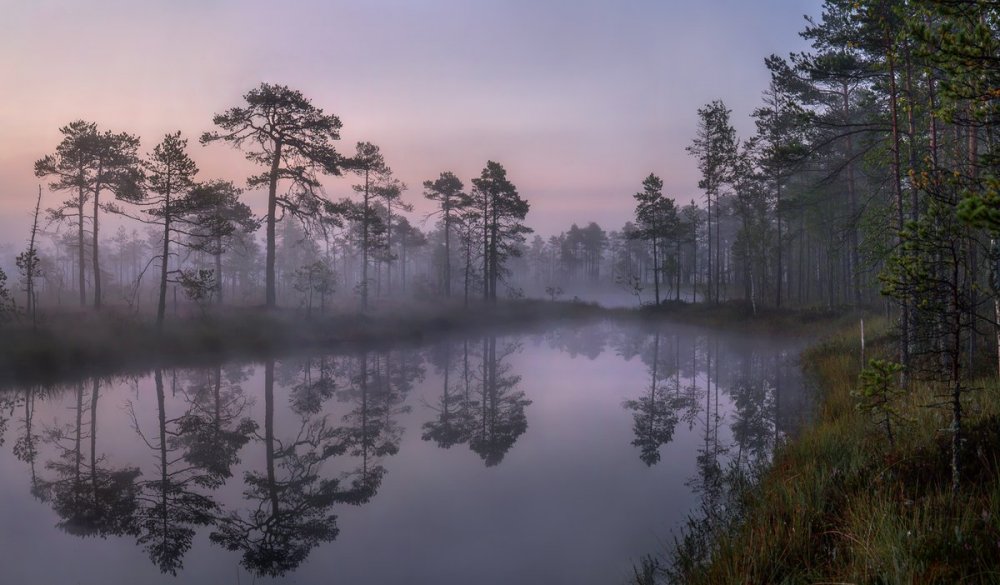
pixel 162 420
pixel 709 277
pixel 447 251
pixel 852 200
pixel 272 482
pixel 905 341
pixel 270 294
pixel 80 274
pixel 218 271
pixel 94 254
pixel 365 245
pixel 161 307
pixel 388 246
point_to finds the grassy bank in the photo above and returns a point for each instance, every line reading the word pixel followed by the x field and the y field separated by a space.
pixel 742 316
pixel 840 504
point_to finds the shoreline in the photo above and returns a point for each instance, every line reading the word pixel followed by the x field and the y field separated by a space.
pixel 841 502
pixel 72 344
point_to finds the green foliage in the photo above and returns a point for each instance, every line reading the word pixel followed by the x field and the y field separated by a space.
pixel 198 285
pixel 29 264
pixel 982 209
pixel 7 307
pixel 714 147
pixel 877 393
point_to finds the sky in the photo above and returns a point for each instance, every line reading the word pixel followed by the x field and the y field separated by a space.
pixel 579 100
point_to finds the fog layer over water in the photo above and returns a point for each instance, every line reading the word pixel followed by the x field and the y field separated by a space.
pixel 544 458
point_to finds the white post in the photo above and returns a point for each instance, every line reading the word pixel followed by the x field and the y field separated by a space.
pixel 862 342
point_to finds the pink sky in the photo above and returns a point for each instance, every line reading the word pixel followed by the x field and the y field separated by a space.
pixel 578 100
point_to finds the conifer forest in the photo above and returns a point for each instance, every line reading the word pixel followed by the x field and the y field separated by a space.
pixel 502 292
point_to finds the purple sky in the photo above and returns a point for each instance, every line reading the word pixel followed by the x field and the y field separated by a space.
pixel 579 100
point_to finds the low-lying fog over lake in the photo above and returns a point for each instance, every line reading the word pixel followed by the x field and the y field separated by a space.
pixel 555 457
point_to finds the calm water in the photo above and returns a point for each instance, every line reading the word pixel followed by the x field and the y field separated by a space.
pixel 554 458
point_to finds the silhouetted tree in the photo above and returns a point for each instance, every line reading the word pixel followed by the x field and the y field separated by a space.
pixel 281 130
pixel 90 499
pixel 501 211
pixel 714 146
pixel 501 419
pixel 368 163
pixel 390 190
pixel 657 221
pixel 409 237
pixel 171 174
pixel 289 511
pixel 219 218
pixel 454 421
pixel 655 413
pixel 29 265
pixel 447 191
pixel 87 162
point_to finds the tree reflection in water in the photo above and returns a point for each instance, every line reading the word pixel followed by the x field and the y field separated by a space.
pixel 454 420
pixel 26 445
pixel 745 379
pixel 485 410
pixel 655 414
pixel 195 452
pixel 376 391
pixel 290 501
pixel 90 497
pixel 331 443
pixel 501 407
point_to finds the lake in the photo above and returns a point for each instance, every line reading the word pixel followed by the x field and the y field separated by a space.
pixel 550 457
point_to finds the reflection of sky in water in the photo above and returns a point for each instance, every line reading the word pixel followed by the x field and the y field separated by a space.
pixel 570 501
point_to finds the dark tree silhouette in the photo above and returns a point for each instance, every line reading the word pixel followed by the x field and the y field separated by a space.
pixel 500 417
pixel 91 499
pixel 170 173
pixel 500 211
pixel 657 221
pixel 177 499
pixel 219 217
pixel 368 163
pixel 454 421
pixel 447 191
pixel 370 429
pixel 86 163
pixel 289 512
pixel 281 130
pixel 655 413
pixel 213 430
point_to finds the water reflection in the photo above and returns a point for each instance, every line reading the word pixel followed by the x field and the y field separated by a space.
pixel 91 497
pixel 656 410
pixel 287 511
pixel 175 500
pixel 263 460
pixel 486 410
